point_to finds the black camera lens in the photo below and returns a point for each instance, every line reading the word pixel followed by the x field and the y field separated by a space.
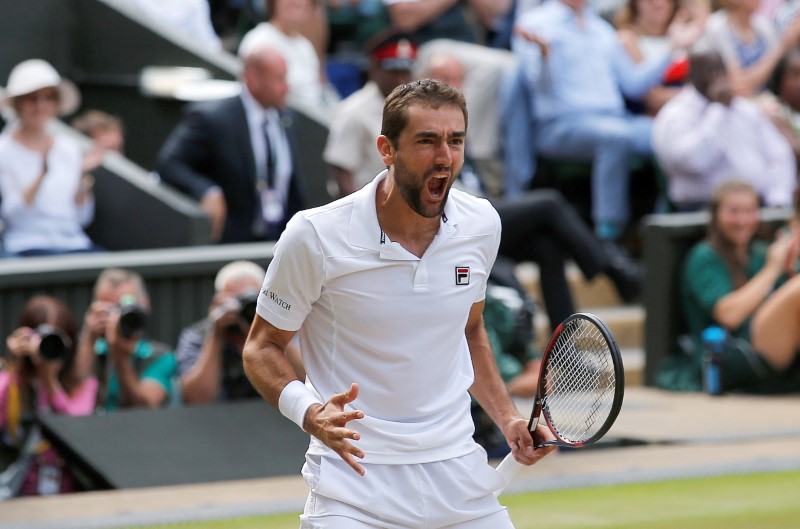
pixel 247 308
pixel 247 311
pixel 132 317
pixel 54 344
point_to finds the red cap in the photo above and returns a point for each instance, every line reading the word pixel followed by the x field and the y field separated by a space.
pixel 395 55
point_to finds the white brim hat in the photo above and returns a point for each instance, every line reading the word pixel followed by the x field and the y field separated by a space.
pixel 34 74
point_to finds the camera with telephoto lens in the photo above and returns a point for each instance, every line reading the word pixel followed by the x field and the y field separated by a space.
pixel 247 311
pixel 53 344
pixel 132 316
pixel 247 308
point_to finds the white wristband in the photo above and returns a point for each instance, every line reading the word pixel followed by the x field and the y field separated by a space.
pixel 295 400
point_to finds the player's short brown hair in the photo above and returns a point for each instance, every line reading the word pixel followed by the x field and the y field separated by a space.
pixel 425 92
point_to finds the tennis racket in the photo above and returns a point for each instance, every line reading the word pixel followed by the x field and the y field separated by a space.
pixel 580 389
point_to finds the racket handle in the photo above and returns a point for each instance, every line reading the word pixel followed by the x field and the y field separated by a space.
pixel 508 468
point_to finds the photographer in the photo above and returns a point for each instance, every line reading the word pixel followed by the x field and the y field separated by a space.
pixel 209 351
pixel 133 371
pixel 39 376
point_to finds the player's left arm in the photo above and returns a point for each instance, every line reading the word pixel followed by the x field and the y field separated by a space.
pixel 490 391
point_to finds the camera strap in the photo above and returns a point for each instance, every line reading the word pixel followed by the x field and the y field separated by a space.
pixel 13 410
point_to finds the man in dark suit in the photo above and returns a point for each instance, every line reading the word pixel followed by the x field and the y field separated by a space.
pixel 235 155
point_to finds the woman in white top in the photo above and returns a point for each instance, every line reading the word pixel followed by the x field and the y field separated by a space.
pixel 283 31
pixel 46 192
pixel 749 43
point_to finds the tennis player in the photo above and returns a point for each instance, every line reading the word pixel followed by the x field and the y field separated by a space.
pixel 386 288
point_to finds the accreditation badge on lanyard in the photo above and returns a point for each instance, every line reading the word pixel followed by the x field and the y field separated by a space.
pixel 271 197
pixel 271 204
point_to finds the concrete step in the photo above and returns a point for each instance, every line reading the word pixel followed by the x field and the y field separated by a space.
pixel 626 323
pixel 598 296
pixel 633 362
pixel 599 292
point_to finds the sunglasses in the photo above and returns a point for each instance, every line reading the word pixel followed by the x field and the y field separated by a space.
pixel 41 95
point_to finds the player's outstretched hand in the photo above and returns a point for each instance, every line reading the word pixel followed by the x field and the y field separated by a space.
pixel 521 443
pixel 328 423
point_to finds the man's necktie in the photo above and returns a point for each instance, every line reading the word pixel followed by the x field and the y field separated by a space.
pixel 270 158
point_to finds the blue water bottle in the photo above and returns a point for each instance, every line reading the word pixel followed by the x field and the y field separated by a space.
pixel 714 348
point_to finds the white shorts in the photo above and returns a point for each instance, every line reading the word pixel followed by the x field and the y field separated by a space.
pixel 456 493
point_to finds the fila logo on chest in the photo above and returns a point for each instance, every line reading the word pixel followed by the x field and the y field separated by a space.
pixel 462 275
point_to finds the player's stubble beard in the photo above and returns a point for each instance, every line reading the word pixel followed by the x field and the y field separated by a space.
pixel 411 189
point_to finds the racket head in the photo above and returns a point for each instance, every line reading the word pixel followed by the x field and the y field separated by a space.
pixel 581 382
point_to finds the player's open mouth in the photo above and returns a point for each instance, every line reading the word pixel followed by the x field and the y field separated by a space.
pixel 437 185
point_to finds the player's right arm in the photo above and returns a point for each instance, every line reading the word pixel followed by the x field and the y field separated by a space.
pixel 265 361
pixel 271 373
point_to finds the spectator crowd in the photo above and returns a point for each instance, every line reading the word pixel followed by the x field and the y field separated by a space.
pixel 703 100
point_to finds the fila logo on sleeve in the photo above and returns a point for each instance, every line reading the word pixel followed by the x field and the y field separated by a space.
pixel 462 275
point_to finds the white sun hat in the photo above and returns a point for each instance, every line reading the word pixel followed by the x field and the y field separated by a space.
pixel 35 74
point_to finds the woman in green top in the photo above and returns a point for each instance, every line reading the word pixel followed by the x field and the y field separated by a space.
pixel 732 280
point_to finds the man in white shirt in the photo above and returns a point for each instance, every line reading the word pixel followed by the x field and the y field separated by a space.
pixel 350 150
pixel 386 287
pixel 706 135
pixel 284 32
pixel 459 27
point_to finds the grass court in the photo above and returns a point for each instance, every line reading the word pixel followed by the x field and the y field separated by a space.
pixel 746 501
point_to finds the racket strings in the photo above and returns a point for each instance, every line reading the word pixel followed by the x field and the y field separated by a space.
pixel 579 382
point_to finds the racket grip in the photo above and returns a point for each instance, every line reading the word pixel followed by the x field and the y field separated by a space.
pixel 508 468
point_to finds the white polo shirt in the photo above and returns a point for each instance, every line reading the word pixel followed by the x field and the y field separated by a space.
pixel 371 312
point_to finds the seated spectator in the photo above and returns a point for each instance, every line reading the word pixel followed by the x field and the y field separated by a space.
pixel 133 370
pixel 190 18
pixel 579 74
pixel 448 26
pixel 542 227
pixel 105 130
pixel 446 19
pixel 305 72
pixel 707 134
pixel 45 186
pixel 39 376
pixel 350 150
pixel 354 22
pixel 750 44
pixel 236 156
pixel 642 28
pixel 733 280
pixel 782 102
pixel 209 352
